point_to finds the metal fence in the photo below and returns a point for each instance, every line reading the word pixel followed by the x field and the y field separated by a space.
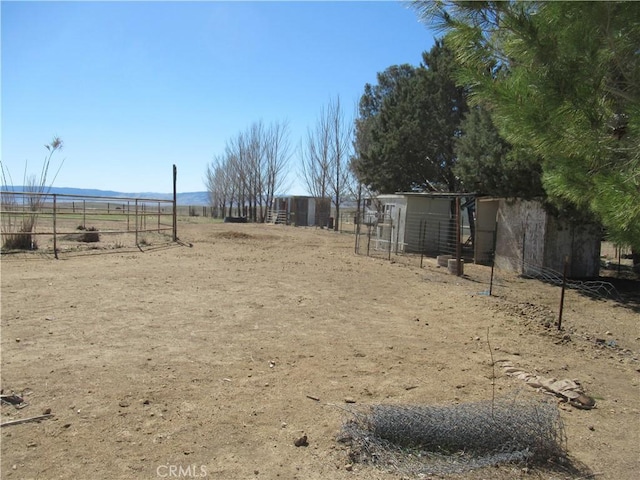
pixel 410 239
pixel 196 211
pixel 413 236
pixel 32 220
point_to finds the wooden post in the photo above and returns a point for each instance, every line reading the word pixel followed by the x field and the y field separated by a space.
pixel 175 211
pixel 84 214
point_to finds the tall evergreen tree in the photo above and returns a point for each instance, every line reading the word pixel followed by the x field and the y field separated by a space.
pixel 562 80
pixel 488 164
pixel 407 125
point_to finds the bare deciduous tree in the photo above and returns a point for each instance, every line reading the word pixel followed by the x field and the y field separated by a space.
pixel 341 142
pixel 325 157
pixel 277 153
pixel 251 170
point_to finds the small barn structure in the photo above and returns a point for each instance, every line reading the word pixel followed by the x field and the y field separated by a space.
pixel 527 239
pixel 415 222
pixel 300 211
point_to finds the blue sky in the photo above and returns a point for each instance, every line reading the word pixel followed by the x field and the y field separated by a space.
pixel 135 87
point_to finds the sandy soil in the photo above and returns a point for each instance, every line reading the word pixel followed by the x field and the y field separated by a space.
pixel 211 360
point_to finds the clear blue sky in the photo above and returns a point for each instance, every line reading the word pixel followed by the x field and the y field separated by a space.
pixel 134 87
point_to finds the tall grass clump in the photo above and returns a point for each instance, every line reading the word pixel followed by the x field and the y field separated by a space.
pixel 20 210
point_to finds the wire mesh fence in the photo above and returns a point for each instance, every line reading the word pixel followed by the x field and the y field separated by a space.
pixel 450 232
pixel 446 439
pixel 412 235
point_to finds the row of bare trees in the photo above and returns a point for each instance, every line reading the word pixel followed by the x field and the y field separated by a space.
pixel 253 168
pixel 244 180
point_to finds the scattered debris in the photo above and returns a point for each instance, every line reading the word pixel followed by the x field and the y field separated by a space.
pixel 569 390
pixel 14 400
pixel 301 442
pixel 11 399
pixel 25 420
pixel 317 399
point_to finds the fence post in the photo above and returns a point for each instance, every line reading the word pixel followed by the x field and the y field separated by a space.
pixel 55 239
pixel 524 240
pixel 357 232
pixel 398 229
pixel 421 240
pixel 128 212
pixel 175 211
pixel 564 284
pixel 493 257
pixel 390 235
pixel 136 220
pixel 458 238
pixel 84 214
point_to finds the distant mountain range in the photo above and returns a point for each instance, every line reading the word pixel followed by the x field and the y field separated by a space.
pixel 186 198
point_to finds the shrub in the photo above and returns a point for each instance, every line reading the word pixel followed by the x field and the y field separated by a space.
pixel 18 225
pixel 91 235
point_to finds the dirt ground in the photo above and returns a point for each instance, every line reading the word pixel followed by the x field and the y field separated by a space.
pixel 211 360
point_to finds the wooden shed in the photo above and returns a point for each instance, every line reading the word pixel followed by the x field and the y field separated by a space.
pixel 528 238
pixel 300 211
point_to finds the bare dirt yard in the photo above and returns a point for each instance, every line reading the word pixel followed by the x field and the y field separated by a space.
pixel 213 360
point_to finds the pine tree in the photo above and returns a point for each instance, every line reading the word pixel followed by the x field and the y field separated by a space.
pixel 562 81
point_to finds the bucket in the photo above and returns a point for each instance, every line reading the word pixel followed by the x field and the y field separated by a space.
pixel 452 265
